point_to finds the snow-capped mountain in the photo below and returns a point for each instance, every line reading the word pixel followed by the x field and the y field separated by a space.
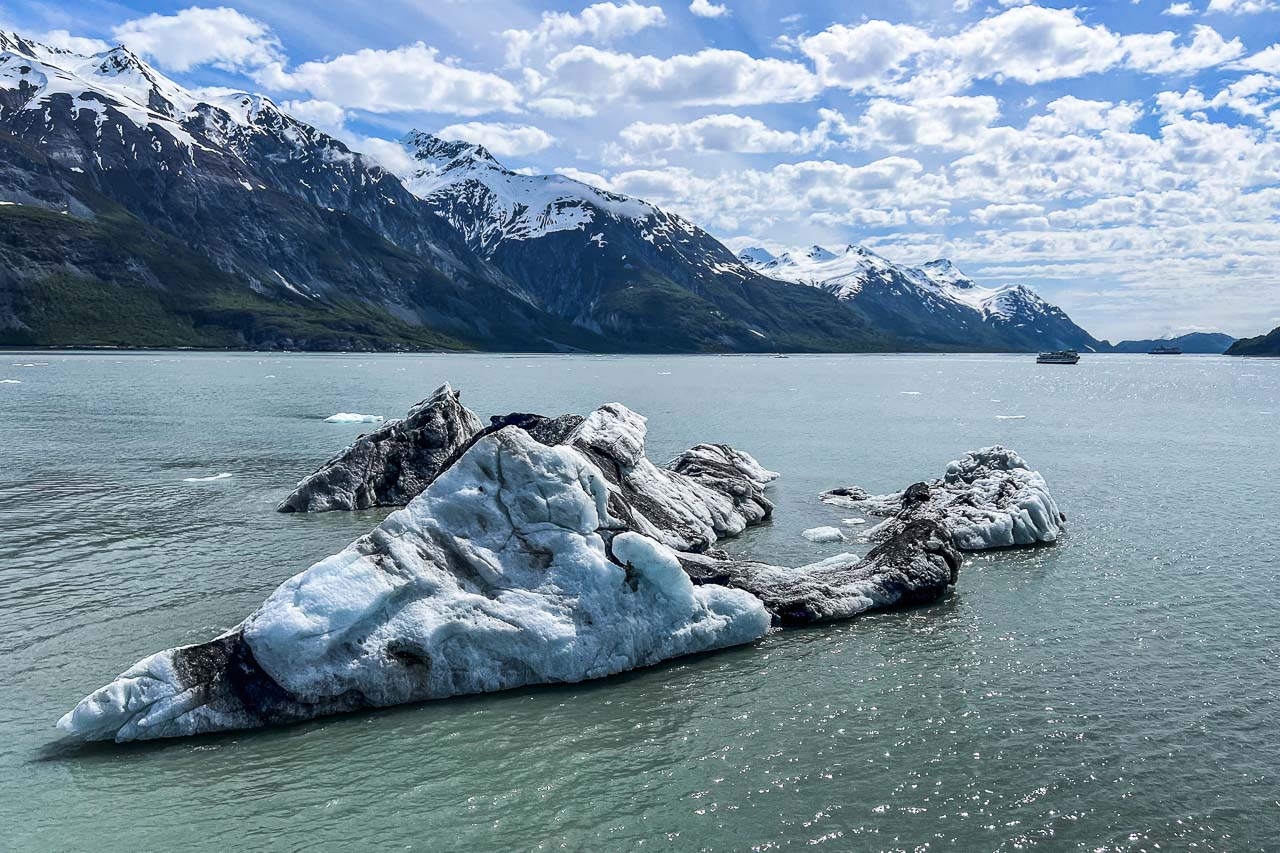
pixel 619 265
pixel 223 220
pixel 935 302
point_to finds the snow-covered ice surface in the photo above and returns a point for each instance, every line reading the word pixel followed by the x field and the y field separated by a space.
pixel 494 577
pixel 353 418
pixel 989 499
pixel 223 476
pixel 824 534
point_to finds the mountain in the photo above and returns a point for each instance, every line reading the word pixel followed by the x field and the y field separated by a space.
pixel 1268 344
pixel 168 216
pixel 1214 343
pixel 620 266
pixel 928 305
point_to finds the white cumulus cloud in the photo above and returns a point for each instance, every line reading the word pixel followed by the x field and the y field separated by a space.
pixel 505 140
pixel 196 36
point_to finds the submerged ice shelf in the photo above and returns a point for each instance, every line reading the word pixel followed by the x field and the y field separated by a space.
pixel 538 550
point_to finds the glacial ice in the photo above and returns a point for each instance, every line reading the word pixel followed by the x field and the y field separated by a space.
pixel 914 566
pixel 707 493
pixel 10 381
pixel 496 576
pixel 989 499
pixel 391 464
pixel 353 418
pixel 223 476
pixel 823 534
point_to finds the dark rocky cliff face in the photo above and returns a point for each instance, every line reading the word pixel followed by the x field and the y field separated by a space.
pixel 1268 344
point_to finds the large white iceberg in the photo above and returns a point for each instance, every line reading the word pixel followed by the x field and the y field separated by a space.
pixel 498 575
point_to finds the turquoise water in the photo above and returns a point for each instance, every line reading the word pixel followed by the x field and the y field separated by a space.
pixel 1115 691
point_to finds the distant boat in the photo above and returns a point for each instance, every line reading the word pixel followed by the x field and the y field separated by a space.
pixel 1165 350
pixel 1062 356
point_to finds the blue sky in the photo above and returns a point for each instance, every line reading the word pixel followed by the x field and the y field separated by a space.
pixel 1123 158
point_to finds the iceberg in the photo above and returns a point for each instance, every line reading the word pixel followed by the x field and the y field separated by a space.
pixel 707 493
pixel 989 499
pixel 392 464
pixel 507 570
pixel 353 418
pixel 823 534
pixel 223 476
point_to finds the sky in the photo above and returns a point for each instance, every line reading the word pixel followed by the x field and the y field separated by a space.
pixel 1122 158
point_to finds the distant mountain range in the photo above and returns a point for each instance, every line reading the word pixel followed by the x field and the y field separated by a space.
pixel 135 212
pixel 1214 343
pixel 1268 344
pixel 930 304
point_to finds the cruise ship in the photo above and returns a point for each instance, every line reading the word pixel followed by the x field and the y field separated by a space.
pixel 1063 356
pixel 1165 350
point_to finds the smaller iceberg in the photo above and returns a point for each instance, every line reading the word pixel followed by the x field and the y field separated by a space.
pixel 223 476
pixel 353 418
pixel 989 499
pixel 823 534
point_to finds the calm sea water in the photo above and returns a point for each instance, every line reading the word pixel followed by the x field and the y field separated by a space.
pixel 1115 691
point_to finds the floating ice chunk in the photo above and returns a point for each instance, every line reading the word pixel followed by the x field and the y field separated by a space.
pixel 496 576
pixel 853 521
pixel 1011 417
pixel 824 534
pixel 223 476
pixel 353 418
pixel 988 499
pixel 910 393
pixel 10 381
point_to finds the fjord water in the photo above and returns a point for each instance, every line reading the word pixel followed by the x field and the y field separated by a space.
pixel 1118 690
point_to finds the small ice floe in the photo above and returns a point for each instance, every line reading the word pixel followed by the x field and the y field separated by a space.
pixel 1011 417
pixel 853 521
pixel 223 476
pixel 10 381
pixel 665 373
pixel 823 534
pixel 910 393
pixel 353 418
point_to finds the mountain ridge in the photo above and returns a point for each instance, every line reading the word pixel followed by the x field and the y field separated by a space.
pixel 286 237
pixel 932 301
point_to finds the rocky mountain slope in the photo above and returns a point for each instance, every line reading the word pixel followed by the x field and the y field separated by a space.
pixel 215 219
pixel 1214 343
pixel 934 303
pixel 1268 344
pixel 618 265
